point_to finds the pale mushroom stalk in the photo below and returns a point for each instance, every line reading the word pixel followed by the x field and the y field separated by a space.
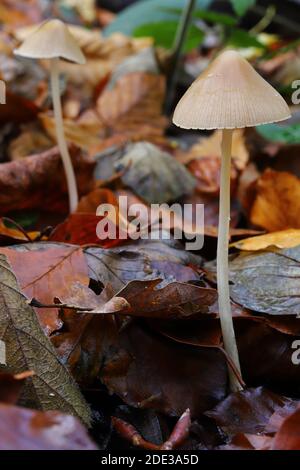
pixel 60 135
pixel 228 95
pixel 222 259
pixel 53 41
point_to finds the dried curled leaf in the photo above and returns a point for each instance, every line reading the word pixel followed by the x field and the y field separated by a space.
pixel 27 348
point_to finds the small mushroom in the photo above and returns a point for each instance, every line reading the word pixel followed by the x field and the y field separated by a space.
pixel 52 40
pixel 230 94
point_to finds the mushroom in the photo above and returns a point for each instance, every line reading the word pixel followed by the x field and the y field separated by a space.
pixel 230 94
pixel 52 40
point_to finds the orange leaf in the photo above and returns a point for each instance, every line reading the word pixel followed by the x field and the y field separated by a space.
pixel 45 273
pixel 277 202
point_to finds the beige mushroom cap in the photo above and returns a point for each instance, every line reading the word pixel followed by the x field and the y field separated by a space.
pixel 52 39
pixel 229 94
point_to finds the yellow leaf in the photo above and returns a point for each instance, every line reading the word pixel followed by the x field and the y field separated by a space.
pixel 282 239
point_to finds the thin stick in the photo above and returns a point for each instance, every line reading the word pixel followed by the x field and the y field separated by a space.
pixel 222 261
pixel 67 162
pixel 179 41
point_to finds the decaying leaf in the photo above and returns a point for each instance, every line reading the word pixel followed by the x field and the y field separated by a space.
pixel 27 348
pixel 248 411
pixel 25 429
pixel 142 260
pixel 29 183
pixel 179 374
pixel 154 175
pixel 148 299
pixel 207 171
pixel 267 281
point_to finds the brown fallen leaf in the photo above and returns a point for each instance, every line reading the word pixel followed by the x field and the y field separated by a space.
pixel 140 299
pixel 277 202
pixel 207 171
pixel 26 429
pixel 38 181
pixel 45 271
pixel 175 300
pixel 31 141
pixel 288 435
pixel 134 105
pixel 146 371
pixel 247 411
pixel 85 135
pixel 11 386
pixel 17 109
pixel 81 229
pixel 89 203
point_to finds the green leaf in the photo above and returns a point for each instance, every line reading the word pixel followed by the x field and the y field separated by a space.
pixel 276 133
pixel 25 219
pixel 242 6
pixel 164 34
pixel 214 17
pixel 207 15
pixel 147 11
pixel 27 348
pixel 241 38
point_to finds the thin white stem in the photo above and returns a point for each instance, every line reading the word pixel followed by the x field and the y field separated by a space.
pixel 222 260
pixel 59 124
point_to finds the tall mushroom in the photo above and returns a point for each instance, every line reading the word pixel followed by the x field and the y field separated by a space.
pixel 52 40
pixel 230 94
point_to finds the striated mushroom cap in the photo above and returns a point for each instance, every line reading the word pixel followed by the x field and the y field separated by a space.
pixel 52 39
pixel 229 94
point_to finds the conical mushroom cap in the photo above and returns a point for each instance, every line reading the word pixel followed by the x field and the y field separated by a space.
pixel 51 40
pixel 229 94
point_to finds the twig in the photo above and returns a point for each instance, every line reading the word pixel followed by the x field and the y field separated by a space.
pixel 19 227
pixel 264 21
pixel 176 438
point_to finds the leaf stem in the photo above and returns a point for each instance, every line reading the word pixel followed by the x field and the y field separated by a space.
pixel 178 45
pixel 67 162
pixel 229 340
